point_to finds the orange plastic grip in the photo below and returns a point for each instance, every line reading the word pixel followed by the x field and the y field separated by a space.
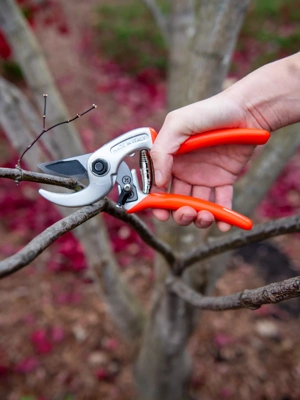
pixel 174 201
pixel 224 136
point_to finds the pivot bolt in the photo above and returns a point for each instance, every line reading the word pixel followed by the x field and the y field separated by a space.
pixel 100 166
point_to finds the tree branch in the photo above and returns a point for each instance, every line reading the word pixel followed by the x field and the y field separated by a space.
pixel 44 239
pixel 252 299
pixel 239 238
pixel 19 175
pixel 136 223
pixel 211 248
pixel 159 18
pixel 143 231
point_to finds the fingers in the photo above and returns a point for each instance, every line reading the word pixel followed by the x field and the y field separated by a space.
pixel 223 197
pixel 186 215
pixel 204 218
pixel 161 215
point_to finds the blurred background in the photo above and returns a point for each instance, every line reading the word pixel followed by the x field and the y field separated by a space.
pixel 57 341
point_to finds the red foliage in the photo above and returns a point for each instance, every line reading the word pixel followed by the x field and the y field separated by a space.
pixel 5 50
pixel 284 197
pixel 50 11
pixel 41 341
pixel 27 365
pixel 139 93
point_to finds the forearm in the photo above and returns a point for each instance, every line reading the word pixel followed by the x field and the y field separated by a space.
pixel 271 94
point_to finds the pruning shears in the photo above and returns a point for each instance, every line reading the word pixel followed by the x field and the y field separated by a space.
pixel 106 166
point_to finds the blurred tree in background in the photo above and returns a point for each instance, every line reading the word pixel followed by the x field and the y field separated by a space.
pixel 140 44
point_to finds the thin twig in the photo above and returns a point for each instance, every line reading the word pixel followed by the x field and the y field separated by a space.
pixel 251 299
pixel 49 129
pixel 240 238
pixel 44 115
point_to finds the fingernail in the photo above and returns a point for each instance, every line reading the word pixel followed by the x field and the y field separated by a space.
pixel 158 177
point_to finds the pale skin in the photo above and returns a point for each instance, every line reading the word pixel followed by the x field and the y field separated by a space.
pixel 268 98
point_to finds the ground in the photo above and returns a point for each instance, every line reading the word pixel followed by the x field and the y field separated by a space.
pixel 57 340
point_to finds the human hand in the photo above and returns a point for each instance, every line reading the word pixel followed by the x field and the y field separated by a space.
pixel 267 99
pixel 207 173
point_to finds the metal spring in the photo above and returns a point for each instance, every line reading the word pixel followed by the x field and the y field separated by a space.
pixel 146 169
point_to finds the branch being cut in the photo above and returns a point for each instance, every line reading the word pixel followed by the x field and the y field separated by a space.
pixel 213 247
pixel 160 19
pixel 19 175
pixel 252 299
pixel 137 224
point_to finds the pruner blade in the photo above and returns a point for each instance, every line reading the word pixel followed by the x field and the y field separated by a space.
pixel 75 167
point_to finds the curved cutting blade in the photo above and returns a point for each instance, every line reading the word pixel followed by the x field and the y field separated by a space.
pixel 84 197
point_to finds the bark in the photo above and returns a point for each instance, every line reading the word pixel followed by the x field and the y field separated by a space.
pixel 251 189
pixel 172 315
pixel 251 299
pixel 33 249
pixel 163 367
pixel 203 35
pixel 182 29
pixel 237 239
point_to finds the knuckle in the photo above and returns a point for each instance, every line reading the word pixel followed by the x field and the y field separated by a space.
pixel 171 117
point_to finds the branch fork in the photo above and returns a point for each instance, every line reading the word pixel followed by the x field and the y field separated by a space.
pixel 250 299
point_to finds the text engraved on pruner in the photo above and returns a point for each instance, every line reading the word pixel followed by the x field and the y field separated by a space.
pixel 128 142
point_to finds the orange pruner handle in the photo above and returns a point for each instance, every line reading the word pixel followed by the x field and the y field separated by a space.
pixel 174 201
pixel 202 140
pixel 221 136
pixel 224 136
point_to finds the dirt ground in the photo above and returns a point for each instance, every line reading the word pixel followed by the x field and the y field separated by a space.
pixel 57 341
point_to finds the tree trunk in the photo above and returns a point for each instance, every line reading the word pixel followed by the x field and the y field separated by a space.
pixel 203 35
pixel 164 366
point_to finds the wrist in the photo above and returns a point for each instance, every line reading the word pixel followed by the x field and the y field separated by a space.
pixel 270 95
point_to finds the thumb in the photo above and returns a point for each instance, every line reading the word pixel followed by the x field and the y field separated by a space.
pixel 163 163
pixel 168 141
pixel 182 123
